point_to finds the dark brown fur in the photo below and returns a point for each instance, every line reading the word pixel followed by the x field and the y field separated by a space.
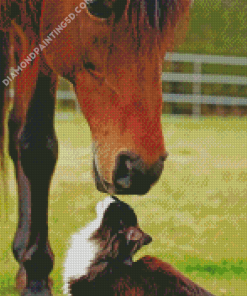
pixel 148 276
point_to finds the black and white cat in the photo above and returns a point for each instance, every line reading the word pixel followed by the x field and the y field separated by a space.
pixel 99 260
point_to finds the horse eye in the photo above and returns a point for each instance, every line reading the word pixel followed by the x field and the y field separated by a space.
pixel 99 9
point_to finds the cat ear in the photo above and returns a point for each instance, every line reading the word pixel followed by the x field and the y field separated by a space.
pixel 147 239
pixel 135 234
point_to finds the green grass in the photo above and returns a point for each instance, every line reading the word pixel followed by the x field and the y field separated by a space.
pixel 196 213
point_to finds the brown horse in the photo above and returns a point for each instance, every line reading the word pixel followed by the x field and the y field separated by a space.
pixel 112 52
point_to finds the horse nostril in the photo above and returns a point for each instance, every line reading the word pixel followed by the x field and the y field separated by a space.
pixel 124 182
pixel 132 176
pixel 123 171
pixel 127 165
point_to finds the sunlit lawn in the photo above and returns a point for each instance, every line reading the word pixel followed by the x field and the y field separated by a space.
pixel 196 213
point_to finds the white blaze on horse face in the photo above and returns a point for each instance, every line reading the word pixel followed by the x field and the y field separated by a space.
pixel 82 250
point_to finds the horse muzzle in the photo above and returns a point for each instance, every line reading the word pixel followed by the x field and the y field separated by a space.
pixel 130 175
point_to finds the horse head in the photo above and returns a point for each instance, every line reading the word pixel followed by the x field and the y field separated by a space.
pixel 112 51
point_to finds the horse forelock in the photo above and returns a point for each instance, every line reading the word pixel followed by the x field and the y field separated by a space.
pixel 151 18
pixel 157 13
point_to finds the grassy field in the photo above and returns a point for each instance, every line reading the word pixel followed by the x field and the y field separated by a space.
pixel 196 213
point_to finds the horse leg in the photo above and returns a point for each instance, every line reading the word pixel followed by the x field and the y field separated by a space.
pixel 3 71
pixel 4 100
pixel 33 148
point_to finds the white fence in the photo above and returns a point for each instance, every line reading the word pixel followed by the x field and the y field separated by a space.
pixel 197 78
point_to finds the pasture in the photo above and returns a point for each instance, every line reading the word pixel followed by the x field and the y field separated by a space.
pixel 196 213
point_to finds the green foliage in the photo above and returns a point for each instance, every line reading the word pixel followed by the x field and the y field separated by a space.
pixel 217 27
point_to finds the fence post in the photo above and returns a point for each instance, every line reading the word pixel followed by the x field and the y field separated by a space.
pixel 196 108
pixel 77 105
